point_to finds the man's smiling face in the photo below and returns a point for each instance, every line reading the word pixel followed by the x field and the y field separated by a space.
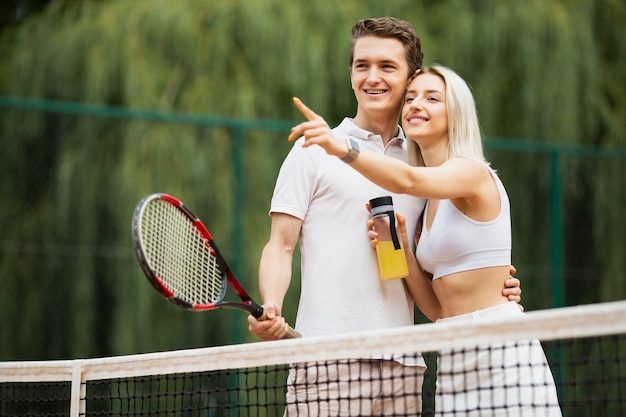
pixel 379 74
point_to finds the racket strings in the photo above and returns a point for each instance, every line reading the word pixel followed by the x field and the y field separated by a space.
pixel 180 255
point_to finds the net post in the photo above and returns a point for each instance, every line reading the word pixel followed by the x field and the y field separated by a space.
pixel 77 402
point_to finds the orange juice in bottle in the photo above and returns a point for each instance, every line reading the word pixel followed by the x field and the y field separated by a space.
pixel 391 262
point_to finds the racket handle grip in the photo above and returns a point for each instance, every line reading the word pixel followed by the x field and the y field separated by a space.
pixel 291 332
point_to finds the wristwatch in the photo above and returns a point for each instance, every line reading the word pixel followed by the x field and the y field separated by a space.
pixel 353 151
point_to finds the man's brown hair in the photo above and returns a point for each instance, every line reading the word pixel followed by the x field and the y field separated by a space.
pixel 391 27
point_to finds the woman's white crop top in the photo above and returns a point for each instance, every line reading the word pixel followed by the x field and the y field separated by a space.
pixel 457 243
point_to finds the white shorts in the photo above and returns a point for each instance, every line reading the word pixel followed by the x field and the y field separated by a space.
pixel 366 387
pixel 500 379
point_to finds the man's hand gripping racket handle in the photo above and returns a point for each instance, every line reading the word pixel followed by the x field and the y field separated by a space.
pixel 261 315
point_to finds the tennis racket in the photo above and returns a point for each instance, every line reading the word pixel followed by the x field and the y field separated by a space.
pixel 180 259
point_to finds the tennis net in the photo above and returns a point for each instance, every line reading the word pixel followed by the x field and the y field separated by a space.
pixel 475 368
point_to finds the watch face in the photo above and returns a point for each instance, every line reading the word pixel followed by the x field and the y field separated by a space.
pixel 353 151
pixel 354 147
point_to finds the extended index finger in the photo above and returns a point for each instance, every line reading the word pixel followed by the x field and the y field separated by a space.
pixel 307 112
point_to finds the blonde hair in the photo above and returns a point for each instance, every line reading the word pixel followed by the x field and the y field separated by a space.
pixel 464 136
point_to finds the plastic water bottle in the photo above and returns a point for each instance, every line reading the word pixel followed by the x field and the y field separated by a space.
pixel 389 250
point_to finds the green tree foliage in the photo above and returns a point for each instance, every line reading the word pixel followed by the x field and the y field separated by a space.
pixel 548 71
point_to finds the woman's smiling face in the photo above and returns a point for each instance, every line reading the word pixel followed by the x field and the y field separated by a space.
pixel 425 114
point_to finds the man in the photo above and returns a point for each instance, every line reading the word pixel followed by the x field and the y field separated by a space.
pixel 320 202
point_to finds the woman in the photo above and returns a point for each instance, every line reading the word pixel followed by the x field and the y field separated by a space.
pixel 464 247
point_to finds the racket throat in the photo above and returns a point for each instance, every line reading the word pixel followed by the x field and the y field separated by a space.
pixel 248 306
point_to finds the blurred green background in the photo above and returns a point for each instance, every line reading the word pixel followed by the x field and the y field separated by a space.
pixel 103 102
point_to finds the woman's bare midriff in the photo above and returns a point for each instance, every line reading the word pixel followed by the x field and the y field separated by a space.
pixel 468 291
